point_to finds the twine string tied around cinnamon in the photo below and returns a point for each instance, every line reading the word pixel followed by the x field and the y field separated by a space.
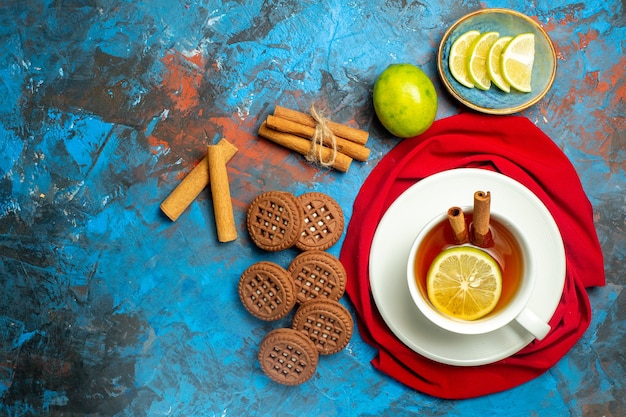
pixel 323 135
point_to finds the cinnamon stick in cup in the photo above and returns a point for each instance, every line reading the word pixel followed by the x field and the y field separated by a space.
pixel 193 184
pixel 480 225
pixel 220 191
pixel 456 219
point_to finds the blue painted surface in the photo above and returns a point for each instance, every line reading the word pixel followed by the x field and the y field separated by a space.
pixel 108 308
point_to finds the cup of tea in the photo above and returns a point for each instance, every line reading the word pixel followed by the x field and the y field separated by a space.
pixel 508 247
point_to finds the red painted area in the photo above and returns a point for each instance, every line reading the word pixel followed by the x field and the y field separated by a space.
pixel 182 128
pixel 259 162
pixel 609 141
pixel 591 80
pixel 156 143
pixel 553 24
pixel 615 80
pixel 182 79
pixel 568 23
pixel 608 135
pixel 235 131
pixel 586 38
pixel 258 165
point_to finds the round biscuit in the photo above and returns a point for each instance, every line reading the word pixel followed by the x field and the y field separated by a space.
pixel 327 323
pixel 274 220
pixel 323 221
pixel 267 291
pixel 287 356
pixel 317 274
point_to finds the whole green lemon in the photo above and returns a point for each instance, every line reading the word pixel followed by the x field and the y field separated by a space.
pixel 405 100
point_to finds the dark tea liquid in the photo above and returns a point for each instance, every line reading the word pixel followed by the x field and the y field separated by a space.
pixel 503 247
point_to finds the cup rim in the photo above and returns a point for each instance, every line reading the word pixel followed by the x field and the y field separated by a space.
pixel 486 324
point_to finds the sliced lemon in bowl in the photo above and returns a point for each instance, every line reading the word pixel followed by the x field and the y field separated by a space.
pixel 477 59
pixel 457 61
pixel 516 61
pixel 464 282
pixel 494 70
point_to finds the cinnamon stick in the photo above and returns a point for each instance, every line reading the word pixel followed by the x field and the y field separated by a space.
pixel 352 149
pixel 302 146
pixel 220 191
pixel 193 184
pixel 456 219
pixel 482 206
pixel 349 133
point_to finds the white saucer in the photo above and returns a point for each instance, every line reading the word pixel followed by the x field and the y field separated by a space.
pixel 399 227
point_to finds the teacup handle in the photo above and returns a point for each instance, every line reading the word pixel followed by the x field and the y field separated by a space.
pixel 533 324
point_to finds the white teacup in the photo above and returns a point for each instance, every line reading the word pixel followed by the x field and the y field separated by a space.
pixel 514 309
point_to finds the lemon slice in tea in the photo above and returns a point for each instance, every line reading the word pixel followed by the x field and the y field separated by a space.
pixel 464 282
pixel 493 64
pixel 517 61
pixel 457 60
pixel 477 59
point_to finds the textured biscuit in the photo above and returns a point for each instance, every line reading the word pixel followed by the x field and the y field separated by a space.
pixel 267 291
pixel 275 220
pixel 327 323
pixel 317 274
pixel 287 356
pixel 323 221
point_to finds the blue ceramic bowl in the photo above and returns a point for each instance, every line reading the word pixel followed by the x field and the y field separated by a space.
pixel 506 22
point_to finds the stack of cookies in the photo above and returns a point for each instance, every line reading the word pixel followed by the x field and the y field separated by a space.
pixel 315 281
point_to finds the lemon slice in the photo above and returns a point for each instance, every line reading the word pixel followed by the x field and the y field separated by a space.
pixel 517 61
pixel 457 61
pixel 464 282
pixel 477 59
pixel 493 64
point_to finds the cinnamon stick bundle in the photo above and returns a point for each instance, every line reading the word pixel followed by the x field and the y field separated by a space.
pixel 456 218
pixel 303 146
pixel 193 184
pixel 481 234
pixel 345 146
pixel 322 141
pixel 350 133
